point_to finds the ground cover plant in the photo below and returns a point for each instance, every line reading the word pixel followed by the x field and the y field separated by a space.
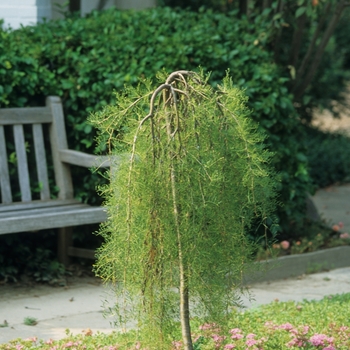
pixel 193 180
pixel 276 326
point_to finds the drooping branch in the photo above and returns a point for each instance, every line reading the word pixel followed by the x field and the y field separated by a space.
pixel 299 91
pixel 169 100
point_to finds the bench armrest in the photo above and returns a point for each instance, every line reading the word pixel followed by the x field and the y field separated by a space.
pixel 85 160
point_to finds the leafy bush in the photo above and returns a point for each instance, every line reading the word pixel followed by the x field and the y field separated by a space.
pixel 84 59
pixel 329 157
pixel 309 41
pixel 31 255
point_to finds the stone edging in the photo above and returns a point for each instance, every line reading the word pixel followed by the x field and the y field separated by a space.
pixel 299 264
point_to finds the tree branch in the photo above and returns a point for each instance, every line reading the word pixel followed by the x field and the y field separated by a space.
pixel 307 57
pixel 297 40
pixel 320 50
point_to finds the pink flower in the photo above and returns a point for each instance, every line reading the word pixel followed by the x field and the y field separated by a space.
pixel 330 347
pixel 250 336
pixel 305 329
pixel 33 339
pixel 286 326
pixel 320 339
pixel 251 342
pixel 237 336
pixel 229 346
pixel 340 224
pixel 335 228
pixel 285 245
pixel 295 342
pixel 235 330
pixel 208 326
pixel 344 235
pixel 19 347
pixel 218 338
pixel 177 345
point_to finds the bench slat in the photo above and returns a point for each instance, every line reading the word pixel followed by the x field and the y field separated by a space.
pixel 82 253
pixel 5 185
pixel 28 115
pixel 41 164
pixel 15 206
pixel 40 221
pixel 23 173
pixel 83 159
pixel 59 209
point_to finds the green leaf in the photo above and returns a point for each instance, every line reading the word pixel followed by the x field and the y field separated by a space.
pixel 300 11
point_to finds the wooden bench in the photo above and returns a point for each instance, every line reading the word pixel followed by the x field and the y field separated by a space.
pixel 29 213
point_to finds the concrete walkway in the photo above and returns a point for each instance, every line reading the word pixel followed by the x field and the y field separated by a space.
pixel 79 306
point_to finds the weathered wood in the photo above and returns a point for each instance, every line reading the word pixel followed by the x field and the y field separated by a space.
pixel 36 204
pixel 22 164
pixel 40 158
pixel 5 185
pixel 81 253
pixel 64 241
pixel 44 211
pixel 62 213
pixel 29 115
pixel 83 159
pixel 40 220
pixel 58 142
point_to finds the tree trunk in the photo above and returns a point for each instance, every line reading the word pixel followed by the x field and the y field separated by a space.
pixel 311 48
pixel 297 40
pixel 243 7
pixel 183 287
pixel 320 50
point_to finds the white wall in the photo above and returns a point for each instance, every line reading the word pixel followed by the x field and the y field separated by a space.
pixel 89 5
pixel 26 12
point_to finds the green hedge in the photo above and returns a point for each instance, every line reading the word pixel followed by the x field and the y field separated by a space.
pixel 329 157
pixel 83 60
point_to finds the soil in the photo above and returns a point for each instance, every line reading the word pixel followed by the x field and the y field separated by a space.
pixel 325 121
pixel 76 276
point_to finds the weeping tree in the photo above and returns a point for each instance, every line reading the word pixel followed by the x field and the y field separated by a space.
pixel 192 183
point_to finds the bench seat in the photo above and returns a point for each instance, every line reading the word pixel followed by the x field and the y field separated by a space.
pixel 40 215
pixel 34 160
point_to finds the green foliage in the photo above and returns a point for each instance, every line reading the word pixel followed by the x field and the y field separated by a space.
pixel 30 321
pixel 329 316
pixel 31 255
pixel 84 59
pixel 329 157
pixel 293 25
pixel 194 181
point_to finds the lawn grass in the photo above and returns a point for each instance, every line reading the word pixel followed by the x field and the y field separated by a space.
pixel 321 324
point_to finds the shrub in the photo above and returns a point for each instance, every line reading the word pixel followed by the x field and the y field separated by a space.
pixel 329 157
pixel 84 59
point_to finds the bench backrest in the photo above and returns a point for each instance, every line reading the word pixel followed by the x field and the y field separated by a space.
pixel 17 119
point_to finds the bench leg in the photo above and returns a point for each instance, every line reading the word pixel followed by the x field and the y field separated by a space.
pixel 65 240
